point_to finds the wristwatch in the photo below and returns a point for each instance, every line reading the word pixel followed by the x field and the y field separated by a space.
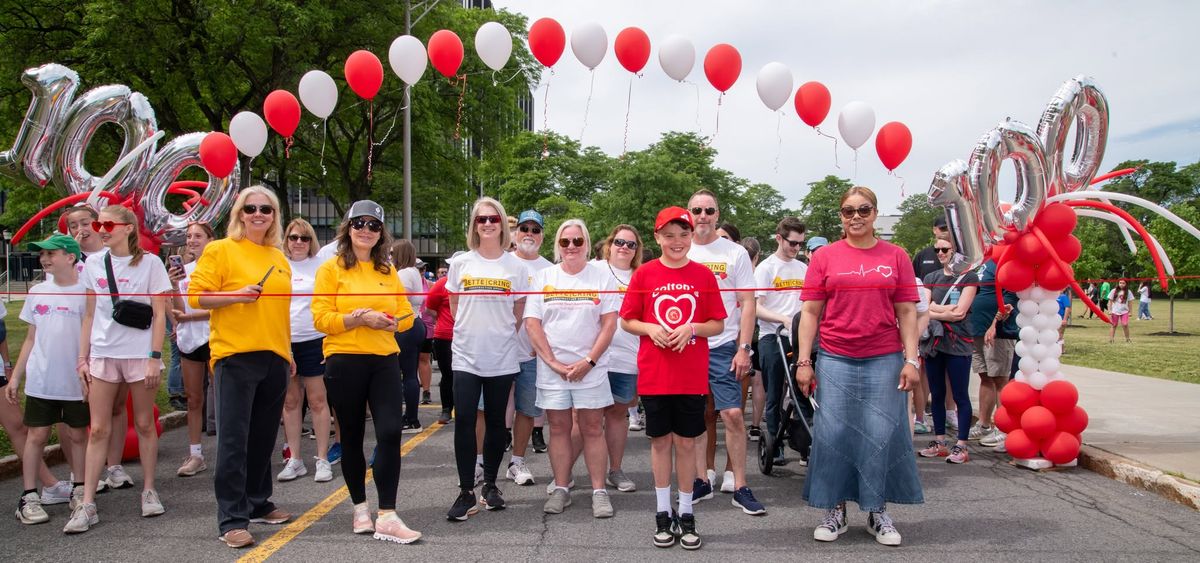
pixel 156 355
pixel 746 347
pixel 913 362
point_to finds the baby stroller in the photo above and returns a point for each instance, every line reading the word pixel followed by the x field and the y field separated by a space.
pixel 796 418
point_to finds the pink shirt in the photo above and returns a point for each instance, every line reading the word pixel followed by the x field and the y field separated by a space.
pixel 860 288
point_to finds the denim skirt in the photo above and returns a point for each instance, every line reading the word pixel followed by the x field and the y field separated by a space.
pixel 862 450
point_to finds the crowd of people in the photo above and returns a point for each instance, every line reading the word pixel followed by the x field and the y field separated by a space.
pixel 594 346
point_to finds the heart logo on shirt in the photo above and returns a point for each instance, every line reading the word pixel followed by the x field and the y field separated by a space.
pixel 42 310
pixel 885 271
pixel 724 275
pixel 102 283
pixel 672 312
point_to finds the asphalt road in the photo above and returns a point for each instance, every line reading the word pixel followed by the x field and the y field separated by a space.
pixel 984 510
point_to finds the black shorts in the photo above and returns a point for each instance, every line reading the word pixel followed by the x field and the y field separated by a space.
pixel 682 415
pixel 40 413
pixel 309 357
pixel 427 345
pixel 200 354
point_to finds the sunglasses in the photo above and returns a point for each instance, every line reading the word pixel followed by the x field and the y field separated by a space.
pixel 107 225
pixel 360 223
pixel 485 219
pixel 704 210
pixel 251 209
pixel 530 229
pixel 299 238
pixel 863 211
pixel 942 250
pixel 793 243
pixel 566 242
pixel 630 244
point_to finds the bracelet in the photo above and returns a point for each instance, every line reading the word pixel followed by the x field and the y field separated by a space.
pixel 590 361
pixel 805 363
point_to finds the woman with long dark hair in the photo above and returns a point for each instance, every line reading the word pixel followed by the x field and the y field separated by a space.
pixel 404 258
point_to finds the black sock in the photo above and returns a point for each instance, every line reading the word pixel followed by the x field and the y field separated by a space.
pixel 73 485
pixel 27 491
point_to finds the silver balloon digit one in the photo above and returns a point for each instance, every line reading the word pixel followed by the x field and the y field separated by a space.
pixel 952 189
pixel 32 153
pixel 169 162
pixel 105 104
pixel 1079 103
pixel 1009 140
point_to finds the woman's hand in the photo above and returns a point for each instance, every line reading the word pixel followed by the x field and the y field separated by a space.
pixel 909 378
pixel 179 317
pixel 248 294
pixel 578 370
pixel 153 373
pixel 379 321
pixel 85 378
pixel 805 376
pixel 10 390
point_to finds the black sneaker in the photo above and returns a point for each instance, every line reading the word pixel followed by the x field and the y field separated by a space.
pixel 664 533
pixel 539 441
pixel 179 402
pixel 464 506
pixel 688 538
pixel 508 445
pixel 490 497
pixel 425 399
pixel 411 427
pixel 755 433
pixel 445 417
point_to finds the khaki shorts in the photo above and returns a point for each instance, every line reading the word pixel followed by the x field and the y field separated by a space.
pixel 994 360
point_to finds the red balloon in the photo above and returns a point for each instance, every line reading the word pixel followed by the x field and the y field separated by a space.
pixel 1020 446
pixel 722 66
pixel 282 111
pixel 1017 397
pixel 1030 250
pixel 1056 220
pixel 1060 448
pixel 218 154
pixel 1014 275
pixel 445 52
pixel 632 47
pixel 364 73
pixel 812 103
pixel 547 41
pixel 1004 422
pixel 893 142
pixel 1068 248
pixel 1060 396
pixel 1074 422
pixel 1010 237
pixel 130 452
pixel 1052 277
pixel 1038 422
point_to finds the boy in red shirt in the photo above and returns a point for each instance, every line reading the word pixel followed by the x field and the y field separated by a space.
pixel 674 305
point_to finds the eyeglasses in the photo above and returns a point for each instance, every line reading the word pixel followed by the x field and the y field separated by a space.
pixel 863 211
pixel 793 243
pixel 107 225
pixel 566 242
pixel 630 244
pixel 299 238
pixel 704 210
pixel 530 229
pixel 943 250
pixel 251 209
pixel 485 219
pixel 360 223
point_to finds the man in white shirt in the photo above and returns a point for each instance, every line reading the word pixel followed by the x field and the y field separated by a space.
pixel 729 352
pixel 782 272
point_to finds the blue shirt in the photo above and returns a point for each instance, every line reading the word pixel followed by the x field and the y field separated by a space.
pixel 984 308
pixel 1064 301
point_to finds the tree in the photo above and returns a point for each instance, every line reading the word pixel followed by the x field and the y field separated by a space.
pixel 819 208
pixel 914 231
pixel 1182 248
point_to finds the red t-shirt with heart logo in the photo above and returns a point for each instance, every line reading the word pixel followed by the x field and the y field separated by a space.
pixel 672 297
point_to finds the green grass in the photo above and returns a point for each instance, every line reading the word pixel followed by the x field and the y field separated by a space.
pixel 1165 357
pixel 17 330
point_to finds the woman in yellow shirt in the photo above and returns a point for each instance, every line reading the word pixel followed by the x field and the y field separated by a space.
pixel 358 304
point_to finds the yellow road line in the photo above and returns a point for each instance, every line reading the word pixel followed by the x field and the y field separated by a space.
pixel 288 533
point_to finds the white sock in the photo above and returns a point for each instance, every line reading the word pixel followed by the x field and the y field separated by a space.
pixel 685 503
pixel 663 496
pixel 196 450
pixel 632 412
pixel 594 491
pixel 558 487
pixel 518 459
pixel 479 459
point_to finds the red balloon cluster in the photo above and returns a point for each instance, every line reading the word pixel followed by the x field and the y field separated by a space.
pixel 1048 422
pixel 1026 257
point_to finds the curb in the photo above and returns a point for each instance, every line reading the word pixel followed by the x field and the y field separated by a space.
pixel 10 466
pixel 1123 469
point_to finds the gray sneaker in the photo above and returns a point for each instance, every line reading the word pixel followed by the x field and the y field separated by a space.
pixel 151 506
pixel 617 478
pixel 118 478
pixel 30 511
pixel 60 493
pixel 76 498
pixel 82 519
pixel 558 501
pixel 601 505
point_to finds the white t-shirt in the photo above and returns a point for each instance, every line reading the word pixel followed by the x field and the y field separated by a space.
pixel 326 252
pixel 50 371
pixel 571 321
pixel 1119 308
pixel 923 304
pixel 533 266
pixel 622 353
pixel 410 278
pixel 109 338
pixel 485 329
pixel 1144 293
pixel 78 269
pixel 787 277
pixel 193 334
pixel 730 263
pixel 304 278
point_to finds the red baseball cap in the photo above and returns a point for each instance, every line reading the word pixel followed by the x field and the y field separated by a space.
pixel 673 213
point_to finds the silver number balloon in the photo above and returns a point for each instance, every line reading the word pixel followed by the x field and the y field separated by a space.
pixel 169 162
pixel 952 189
pixel 105 104
pixel 53 86
pixel 1009 140
pixel 1079 103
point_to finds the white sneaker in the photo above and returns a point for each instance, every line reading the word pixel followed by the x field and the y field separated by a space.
pixel 637 422
pixel 82 518
pixel 478 474
pixel 993 439
pixel 118 478
pixel 292 469
pixel 30 511
pixel 102 485
pixel 550 487
pixel 712 476
pixel 76 498
pixel 880 525
pixel 324 471
pixel 519 473
pixel 58 494
pixel 978 431
pixel 151 505
pixel 727 483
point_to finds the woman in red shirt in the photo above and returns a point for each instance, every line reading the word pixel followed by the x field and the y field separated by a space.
pixel 861 290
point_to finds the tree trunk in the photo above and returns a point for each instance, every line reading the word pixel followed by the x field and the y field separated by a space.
pixel 1171 315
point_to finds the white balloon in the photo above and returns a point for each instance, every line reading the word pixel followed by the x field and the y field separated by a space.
pixel 1028 307
pixel 1050 366
pixel 493 44
pixel 1039 352
pixel 408 59
pixel 1028 365
pixel 1024 320
pixel 1048 337
pixel 1022 349
pixel 677 56
pixel 249 133
pixel 1024 294
pixel 589 43
pixel 1037 293
pixel 318 93
pixel 1049 307
pixel 856 122
pixel 774 85
pixel 1037 380
pixel 1054 351
pixel 1042 322
pixel 1022 377
pixel 1028 334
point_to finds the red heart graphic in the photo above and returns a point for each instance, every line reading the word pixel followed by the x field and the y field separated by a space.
pixel 102 283
pixel 672 312
pixel 724 275
pixel 41 309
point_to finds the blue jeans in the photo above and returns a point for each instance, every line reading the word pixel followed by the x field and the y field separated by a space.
pixel 175 374
pixel 774 367
pixel 958 368
pixel 1143 310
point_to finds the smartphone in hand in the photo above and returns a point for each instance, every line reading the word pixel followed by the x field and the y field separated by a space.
pixel 175 261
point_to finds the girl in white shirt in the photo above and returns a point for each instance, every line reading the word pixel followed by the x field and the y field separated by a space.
pixel 191 336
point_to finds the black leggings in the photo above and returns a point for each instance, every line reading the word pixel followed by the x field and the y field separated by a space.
pixel 353 381
pixel 410 354
pixel 467 387
pixel 445 359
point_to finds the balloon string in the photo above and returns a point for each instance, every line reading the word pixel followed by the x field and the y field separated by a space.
pixel 407 102
pixel 370 136
pixel 287 146
pixel 902 181
pixel 835 145
pixel 461 96
pixel 506 80
pixel 324 132
pixel 628 101
pixel 546 119
pixel 588 105
pixel 717 128
pixel 779 137
pixel 856 164
pixel 695 87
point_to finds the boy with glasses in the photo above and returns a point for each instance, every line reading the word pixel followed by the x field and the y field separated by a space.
pixel 782 272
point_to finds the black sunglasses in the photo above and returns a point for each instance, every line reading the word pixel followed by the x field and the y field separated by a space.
pixel 565 242
pixel 484 219
pixel 360 223
pixel 793 243
pixel 530 229
pixel 863 211
pixel 943 250
pixel 630 244
pixel 300 238
pixel 705 210
pixel 251 209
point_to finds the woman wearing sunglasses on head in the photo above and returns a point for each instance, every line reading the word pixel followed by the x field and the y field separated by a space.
pixel 244 280
pixel 861 288
pixel 191 335
pixel 486 287
pixel 358 303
